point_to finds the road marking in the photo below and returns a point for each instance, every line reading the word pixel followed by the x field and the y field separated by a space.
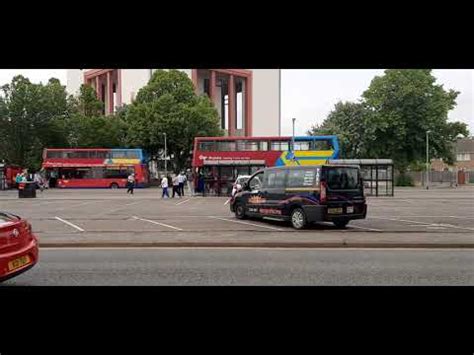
pixel 120 208
pixel 80 204
pixel 457 217
pixel 409 201
pixel 70 224
pixel 427 224
pixel 249 224
pixel 456 227
pixel 158 223
pixel 370 229
pixel 179 203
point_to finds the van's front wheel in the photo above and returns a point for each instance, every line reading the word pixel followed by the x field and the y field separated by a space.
pixel 298 218
pixel 239 211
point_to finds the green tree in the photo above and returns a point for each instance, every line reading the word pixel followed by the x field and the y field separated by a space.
pixel 168 104
pixel 407 103
pixel 87 127
pixel 351 123
pixel 29 115
pixel 392 119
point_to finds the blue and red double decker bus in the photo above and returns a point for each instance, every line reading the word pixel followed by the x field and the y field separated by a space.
pixel 94 168
pixel 220 160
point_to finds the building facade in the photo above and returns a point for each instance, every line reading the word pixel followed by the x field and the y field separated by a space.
pixel 464 150
pixel 247 100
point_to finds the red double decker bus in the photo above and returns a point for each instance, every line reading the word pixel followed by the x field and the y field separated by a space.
pixel 94 168
pixel 218 161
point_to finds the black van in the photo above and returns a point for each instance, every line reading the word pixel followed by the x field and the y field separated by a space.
pixel 303 194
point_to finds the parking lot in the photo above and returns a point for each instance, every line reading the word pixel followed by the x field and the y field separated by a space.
pixel 113 216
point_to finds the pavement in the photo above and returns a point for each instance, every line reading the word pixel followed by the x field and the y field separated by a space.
pixel 290 267
pixel 413 218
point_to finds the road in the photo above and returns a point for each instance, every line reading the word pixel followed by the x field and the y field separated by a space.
pixel 154 266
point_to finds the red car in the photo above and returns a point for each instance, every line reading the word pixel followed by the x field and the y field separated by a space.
pixel 18 246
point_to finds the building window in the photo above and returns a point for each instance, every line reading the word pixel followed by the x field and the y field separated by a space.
pixel 206 87
pixel 463 157
pixel 239 91
pixel 224 89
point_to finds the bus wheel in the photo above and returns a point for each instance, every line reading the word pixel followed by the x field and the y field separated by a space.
pixel 114 186
pixel 341 223
pixel 239 211
pixel 298 218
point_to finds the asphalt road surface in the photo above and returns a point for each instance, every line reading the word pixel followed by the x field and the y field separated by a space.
pixel 150 266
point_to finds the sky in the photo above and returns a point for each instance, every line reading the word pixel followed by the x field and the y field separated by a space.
pixel 309 95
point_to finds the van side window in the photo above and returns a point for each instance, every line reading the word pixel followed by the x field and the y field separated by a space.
pixel 275 178
pixel 301 177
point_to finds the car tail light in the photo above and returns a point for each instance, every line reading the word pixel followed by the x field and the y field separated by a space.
pixel 323 193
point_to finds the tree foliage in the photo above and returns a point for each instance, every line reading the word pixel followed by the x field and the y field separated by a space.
pixel 87 127
pixel 168 104
pixel 392 118
pixel 29 116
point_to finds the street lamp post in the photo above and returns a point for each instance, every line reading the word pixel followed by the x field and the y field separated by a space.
pixel 166 156
pixel 293 139
pixel 427 159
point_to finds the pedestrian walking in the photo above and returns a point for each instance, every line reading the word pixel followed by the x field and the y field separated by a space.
pixel 130 183
pixel 164 186
pixel 39 181
pixel 181 181
pixel 190 181
pixel 176 188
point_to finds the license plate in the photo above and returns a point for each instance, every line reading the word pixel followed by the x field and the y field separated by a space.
pixel 17 263
pixel 350 209
pixel 335 210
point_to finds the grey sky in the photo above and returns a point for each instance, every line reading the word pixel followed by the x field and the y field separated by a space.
pixel 309 95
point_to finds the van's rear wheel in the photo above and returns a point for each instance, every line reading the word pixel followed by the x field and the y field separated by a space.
pixel 239 211
pixel 114 186
pixel 298 218
pixel 341 223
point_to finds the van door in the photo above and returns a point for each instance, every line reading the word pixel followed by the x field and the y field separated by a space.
pixel 344 190
pixel 274 186
pixel 255 195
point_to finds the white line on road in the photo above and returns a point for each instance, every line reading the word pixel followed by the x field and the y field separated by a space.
pixel 70 224
pixel 155 222
pixel 426 224
pixel 120 208
pixel 179 203
pixel 249 224
pixel 370 229
pixel 81 204
pixel 456 227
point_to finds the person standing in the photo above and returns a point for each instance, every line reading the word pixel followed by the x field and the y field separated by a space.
pixel 164 186
pixel 130 183
pixel 18 179
pixel 176 188
pixel 181 181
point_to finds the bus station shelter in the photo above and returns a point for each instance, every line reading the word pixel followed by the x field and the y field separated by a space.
pixel 378 175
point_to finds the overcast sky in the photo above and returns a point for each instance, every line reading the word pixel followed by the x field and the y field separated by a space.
pixel 309 95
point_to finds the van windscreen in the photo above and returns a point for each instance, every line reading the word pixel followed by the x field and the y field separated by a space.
pixel 342 178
